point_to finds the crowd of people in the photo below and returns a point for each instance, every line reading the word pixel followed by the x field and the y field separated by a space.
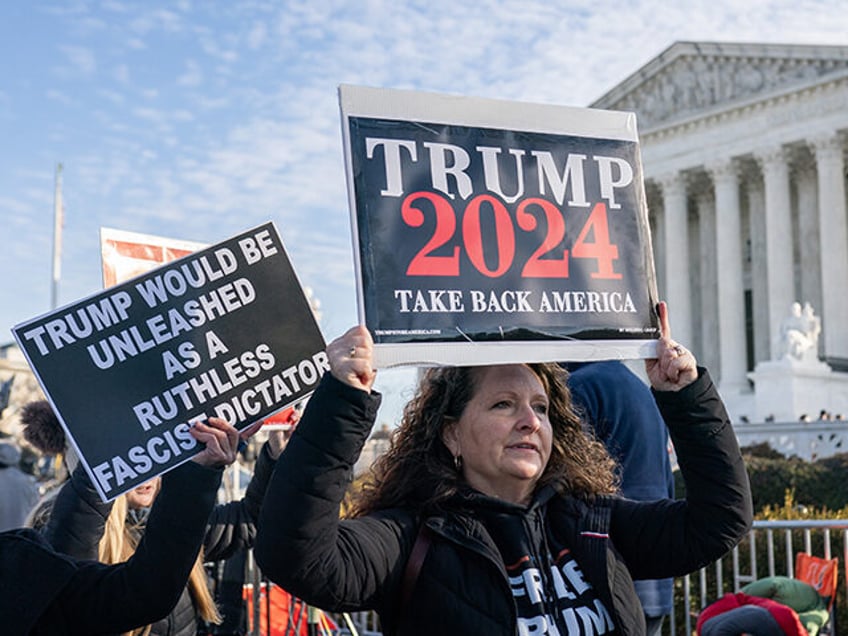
pixel 528 483
pixel 824 416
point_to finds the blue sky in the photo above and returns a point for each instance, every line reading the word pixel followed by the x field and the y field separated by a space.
pixel 197 120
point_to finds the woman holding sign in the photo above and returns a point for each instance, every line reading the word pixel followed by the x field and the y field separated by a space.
pixel 493 512
pixel 44 592
pixel 82 526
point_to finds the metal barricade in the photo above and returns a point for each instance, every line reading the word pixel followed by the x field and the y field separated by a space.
pixel 768 550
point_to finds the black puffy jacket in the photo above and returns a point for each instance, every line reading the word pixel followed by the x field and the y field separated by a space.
pixel 462 587
pixel 78 518
pixel 43 592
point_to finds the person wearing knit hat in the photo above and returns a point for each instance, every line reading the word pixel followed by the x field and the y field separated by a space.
pixel 43 432
pixel 42 428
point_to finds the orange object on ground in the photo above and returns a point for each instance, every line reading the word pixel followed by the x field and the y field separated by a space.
pixel 288 615
pixel 822 574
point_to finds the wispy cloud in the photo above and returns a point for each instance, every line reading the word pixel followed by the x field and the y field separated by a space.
pixel 122 74
pixel 58 96
pixel 192 75
pixel 118 99
pixel 157 20
pixel 257 36
pixel 80 58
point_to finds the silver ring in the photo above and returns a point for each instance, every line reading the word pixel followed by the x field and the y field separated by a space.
pixel 352 352
pixel 679 350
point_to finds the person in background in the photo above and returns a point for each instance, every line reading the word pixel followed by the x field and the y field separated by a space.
pixel 84 527
pixel 45 592
pixel 229 575
pixel 494 512
pixel 18 491
pixel 621 412
pixel 44 433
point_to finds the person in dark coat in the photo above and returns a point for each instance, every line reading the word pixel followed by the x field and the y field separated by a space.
pixel 621 412
pixel 18 491
pixel 43 592
pixel 494 512
pixel 82 526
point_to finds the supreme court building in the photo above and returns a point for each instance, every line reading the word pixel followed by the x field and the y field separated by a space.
pixel 743 150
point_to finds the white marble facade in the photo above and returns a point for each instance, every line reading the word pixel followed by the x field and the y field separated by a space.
pixel 743 150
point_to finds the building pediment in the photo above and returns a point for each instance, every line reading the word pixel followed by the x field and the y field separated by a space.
pixel 692 78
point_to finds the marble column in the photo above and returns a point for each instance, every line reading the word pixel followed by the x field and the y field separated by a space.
pixel 759 275
pixel 676 245
pixel 706 316
pixel 779 253
pixel 833 241
pixel 809 256
pixel 731 296
pixel 657 224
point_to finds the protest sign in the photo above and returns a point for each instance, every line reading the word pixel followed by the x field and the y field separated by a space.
pixel 226 331
pixel 125 255
pixel 490 231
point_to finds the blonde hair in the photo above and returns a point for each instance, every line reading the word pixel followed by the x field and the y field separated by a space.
pixel 118 544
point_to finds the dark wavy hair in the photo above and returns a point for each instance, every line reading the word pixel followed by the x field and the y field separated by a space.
pixel 418 469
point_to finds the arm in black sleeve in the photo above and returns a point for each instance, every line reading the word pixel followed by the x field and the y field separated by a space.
pixel 232 526
pixel 78 517
pixel 671 538
pixel 301 544
pixel 718 492
pixel 142 590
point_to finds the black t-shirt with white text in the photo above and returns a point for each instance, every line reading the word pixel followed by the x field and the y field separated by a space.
pixel 551 595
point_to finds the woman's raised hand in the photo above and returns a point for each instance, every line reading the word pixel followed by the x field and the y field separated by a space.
pixel 351 359
pixel 675 366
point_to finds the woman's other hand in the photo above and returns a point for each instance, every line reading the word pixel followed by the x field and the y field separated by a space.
pixel 674 367
pixel 350 358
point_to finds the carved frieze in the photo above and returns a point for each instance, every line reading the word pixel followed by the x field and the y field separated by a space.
pixel 678 86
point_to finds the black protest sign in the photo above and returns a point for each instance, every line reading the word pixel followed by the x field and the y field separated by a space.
pixel 226 332
pixel 514 230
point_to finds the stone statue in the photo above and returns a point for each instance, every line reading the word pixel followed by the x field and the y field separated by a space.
pixel 799 333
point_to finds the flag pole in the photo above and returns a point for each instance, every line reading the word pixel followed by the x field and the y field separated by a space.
pixel 58 223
